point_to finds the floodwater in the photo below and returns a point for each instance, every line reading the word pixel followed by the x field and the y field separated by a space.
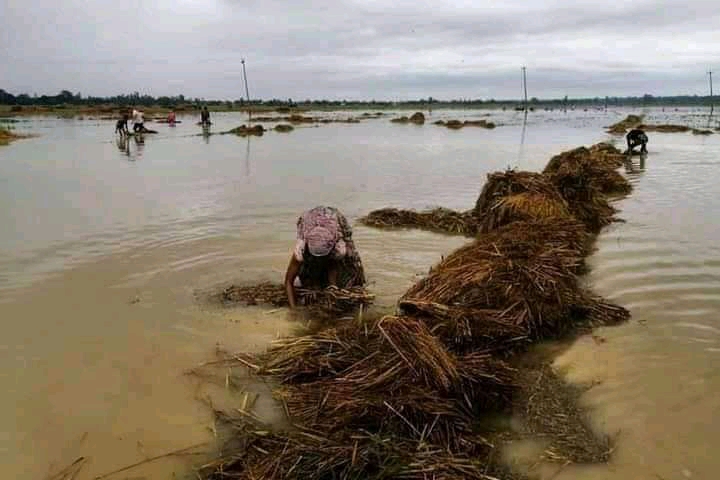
pixel 108 249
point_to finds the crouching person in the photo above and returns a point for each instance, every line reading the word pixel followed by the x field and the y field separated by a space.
pixel 636 137
pixel 324 253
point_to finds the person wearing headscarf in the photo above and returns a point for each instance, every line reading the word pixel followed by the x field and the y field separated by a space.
pixel 324 253
pixel 636 137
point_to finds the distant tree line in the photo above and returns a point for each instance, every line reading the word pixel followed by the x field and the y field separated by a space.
pixel 66 97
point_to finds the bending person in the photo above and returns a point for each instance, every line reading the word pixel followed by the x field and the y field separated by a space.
pixel 634 138
pixel 324 253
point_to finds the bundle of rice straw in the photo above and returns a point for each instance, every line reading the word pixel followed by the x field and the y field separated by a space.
pixel 620 127
pixel 330 299
pixel 391 380
pixel 390 375
pixel 304 453
pixel 437 220
pixel 584 180
pixel 513 285
pixel 517 196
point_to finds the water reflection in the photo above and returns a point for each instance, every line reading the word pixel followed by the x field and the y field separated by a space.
pixel 206 133
pixel 521 151
pixel 247 158
pixel 635 168
pixel 123 144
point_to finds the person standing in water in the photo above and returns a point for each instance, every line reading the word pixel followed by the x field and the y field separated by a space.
pixel 171 118
pixel 138 121
pixel 324 253
pixel 121 125
pixel 204 116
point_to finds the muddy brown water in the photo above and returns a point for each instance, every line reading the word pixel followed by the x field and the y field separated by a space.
pixel 106 248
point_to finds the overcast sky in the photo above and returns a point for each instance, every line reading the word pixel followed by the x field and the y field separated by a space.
pixel 371 49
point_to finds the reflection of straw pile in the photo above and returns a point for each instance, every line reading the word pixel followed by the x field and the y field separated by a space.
pixel 439 219
pixel 407 396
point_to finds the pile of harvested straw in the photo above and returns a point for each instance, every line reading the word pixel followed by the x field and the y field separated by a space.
pixel 303 453
pixel 517 196
pixel 330 299
pixel 417 118
pixel 391 380
pixel 698 131
pixel 620 127
pixel 438 219
pixel 518 283
pixel 457 124
pixel 245 130
pixel 665 128
pixel 284 128
pixel 405 396
pixel 584 177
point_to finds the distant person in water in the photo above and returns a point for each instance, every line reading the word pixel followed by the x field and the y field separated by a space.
pixel 324 253
pixel 171 118
pixel 121 125
pixel 138 121
pixel 634 138
pixel 204 116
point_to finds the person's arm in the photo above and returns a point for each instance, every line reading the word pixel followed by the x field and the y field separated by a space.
pixel 292 272
pixel 333 273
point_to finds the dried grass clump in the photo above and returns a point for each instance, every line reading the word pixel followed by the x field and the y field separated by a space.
pixel 438 220
pixel 7 136
pixel 329 300
pixel 391 379
pixel 517 196
pixel 302 454
pixel 584 179
pixel 621 127
pixel 244 130
pixel 284 128
pixel 697 131
pixel 516 284
pixel 665 128
pixel 297 118
pixel 457 124
pixel 417 118
pixel 523 207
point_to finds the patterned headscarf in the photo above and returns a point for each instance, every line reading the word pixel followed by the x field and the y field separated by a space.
pixel 320 241
pixel 319 230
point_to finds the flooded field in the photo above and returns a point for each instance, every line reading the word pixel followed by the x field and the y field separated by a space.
pixel 108 247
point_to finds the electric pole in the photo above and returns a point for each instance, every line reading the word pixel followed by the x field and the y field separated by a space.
pixel 247 90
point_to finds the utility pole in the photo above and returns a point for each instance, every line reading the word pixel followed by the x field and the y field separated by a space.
pixel 711 91
pixel 247 91
pixel 524 81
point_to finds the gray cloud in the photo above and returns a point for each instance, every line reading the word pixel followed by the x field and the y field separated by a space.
pixel 358 49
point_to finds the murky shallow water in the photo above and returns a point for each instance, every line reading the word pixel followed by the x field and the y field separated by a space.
pixel 105 249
